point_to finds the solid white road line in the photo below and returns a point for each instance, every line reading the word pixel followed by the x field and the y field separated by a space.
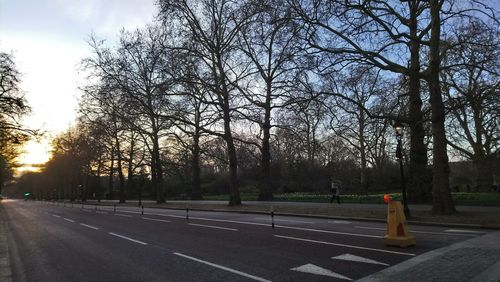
pixel 266 224
pixel 314 269
pixel 67 219
pixel 124 215
pixel 55 215
pixel 415 231
pixel 128 238
pixel 344 245
pixel 340 221
pixel 154 219
pixel 330 232
pixel 464 231
pixel 101 212
pixel 224 268
pixel 349 257
pixel 284 220
pixel 211 226
pixel 89 226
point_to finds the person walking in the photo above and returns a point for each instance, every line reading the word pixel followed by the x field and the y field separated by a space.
pixel 335 189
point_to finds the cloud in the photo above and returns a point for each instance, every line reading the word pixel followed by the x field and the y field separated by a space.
pixel 108 17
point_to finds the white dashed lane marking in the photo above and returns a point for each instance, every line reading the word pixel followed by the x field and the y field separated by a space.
pixel 168 215
pixel 89 226
pixel 154 219
pixel 224 268
pixel 124 215
pixel 284 220
pixel 211 226
pixel 128 238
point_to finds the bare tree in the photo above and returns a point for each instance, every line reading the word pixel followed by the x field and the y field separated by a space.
pixel 137 71
pixel 211 28
pixel 384 34
pixel 13 106
pixel 471 84
pixel 349 120
pixel 442 202
pixel 271 44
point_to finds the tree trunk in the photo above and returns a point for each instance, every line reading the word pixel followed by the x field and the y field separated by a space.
pixel 130 172
pixel 265 187
pixel 442 201
pixel 121 178
pixel 196 188
pixel 363 179
pixel 234 198
pixel 98 190
pixel 111 174
pixel 158 183
pixel 419 184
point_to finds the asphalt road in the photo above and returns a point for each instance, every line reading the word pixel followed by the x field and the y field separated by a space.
pixel 64 243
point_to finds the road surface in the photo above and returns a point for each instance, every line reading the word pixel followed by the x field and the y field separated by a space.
pixel 75 243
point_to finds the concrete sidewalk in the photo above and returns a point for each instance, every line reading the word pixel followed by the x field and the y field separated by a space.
pixel 477 259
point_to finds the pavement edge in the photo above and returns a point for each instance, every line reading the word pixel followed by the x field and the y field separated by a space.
pixel 5 267
pixel 488 241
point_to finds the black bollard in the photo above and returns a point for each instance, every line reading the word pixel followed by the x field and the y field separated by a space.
pixel 187 213
pixel 142 209
pixel 272 219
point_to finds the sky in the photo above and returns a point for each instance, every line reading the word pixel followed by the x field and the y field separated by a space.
pixel 48 39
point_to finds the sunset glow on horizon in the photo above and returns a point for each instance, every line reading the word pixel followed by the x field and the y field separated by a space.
pixel 48 40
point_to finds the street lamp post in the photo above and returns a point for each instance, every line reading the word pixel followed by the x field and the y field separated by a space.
pixel 398 127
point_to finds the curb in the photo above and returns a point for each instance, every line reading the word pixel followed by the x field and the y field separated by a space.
pixel 5 269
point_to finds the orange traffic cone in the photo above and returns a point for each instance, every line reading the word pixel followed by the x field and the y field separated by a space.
pixel 397 227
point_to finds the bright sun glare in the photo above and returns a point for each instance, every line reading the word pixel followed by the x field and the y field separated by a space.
pixel 34 154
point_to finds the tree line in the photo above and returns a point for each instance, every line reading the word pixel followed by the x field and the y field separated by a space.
pixel 13 106
pixel 221 95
